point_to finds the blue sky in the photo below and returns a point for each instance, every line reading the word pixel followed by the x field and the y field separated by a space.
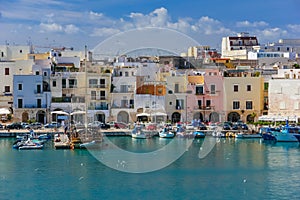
pixel 78 23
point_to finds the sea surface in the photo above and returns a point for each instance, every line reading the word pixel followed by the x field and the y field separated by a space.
pixel 232 169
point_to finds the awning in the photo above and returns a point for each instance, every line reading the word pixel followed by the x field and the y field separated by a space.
pixel 59 112
pixel 78 112
pixel 158 114
pixel 4 111
pixel 277 118
pixel 143 114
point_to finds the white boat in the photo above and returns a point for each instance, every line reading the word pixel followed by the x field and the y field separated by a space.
pixel 27 144
pixel 247 135
pixel 90 145
pixel 61 141
pixel 166 133
pixel 140 133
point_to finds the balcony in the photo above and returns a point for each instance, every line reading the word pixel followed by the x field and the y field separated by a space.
pixel 93 98
pixel 204 108
pixel 35 106
pixel 98 86
pixel 61 99
pixel 120 107
pixel 101 107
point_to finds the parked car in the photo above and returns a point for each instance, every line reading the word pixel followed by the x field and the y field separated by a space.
pixel 202 126
pixel 120 125
pixel 53 125
pixel 34 125
pixel 14 125
pixel 1 126
pixel 24 124
pixel 97 124
pixel 104 126
pixel 226 126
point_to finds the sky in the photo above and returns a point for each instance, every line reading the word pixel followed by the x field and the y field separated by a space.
pixel 76 23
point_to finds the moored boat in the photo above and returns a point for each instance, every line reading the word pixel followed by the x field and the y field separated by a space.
pixel 199 134
pixel 61 141
pixel 166 133
pixel 242 135
pixel 140 133
pixel 285 134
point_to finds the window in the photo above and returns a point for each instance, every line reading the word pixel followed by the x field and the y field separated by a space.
pixel 20 86
pixel 93 95
pixel 20 103
pixel 124 103
pixel 176 88
pixel 249 105
pixel 64 83
pixel 39 103
pixel 72 83
pixel 179 104
pixel 45 73
pixel 170 103
pixel 121 74
pixel 126 74
pixel 102 83
pixel 6 71
pixel 282 105
pixel 37 73
pixel 248 88
pixel 212 89
pixel 199 104
pixel 102 95
pixel 21 51
pixel 93 83
pixel 236 88
pixel 208 103
pixel 266 86
pixel 236 105
pixel 124 88
pixel 54 84
pixel 199 89
pixel 7 88
pixel 38 89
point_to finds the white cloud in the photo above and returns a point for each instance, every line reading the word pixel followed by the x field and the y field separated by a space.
pixel 251 24
pixel 294 27
pixel 70 28
pixel 210 26
pixel 157 18
pixel 104 32
pixel 95 16
pixel 52 27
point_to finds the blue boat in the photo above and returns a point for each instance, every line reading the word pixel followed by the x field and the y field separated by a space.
pixel 199 134
pixel 285 134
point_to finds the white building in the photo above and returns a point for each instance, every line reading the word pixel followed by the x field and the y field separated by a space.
pixel 237 47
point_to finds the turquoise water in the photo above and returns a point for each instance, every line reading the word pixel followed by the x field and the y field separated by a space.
pixel 234 169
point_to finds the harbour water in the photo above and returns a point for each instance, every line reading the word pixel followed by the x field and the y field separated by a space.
pixel 233 169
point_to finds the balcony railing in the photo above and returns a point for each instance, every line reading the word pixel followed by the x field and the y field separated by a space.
pixel 98 107
pixel 204 108
pixel 98 86
pixel 35 106
pixel 125 107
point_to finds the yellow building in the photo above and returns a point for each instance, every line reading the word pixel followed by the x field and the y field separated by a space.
pixel 243 95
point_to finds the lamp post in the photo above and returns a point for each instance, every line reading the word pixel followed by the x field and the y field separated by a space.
pixel 203 106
